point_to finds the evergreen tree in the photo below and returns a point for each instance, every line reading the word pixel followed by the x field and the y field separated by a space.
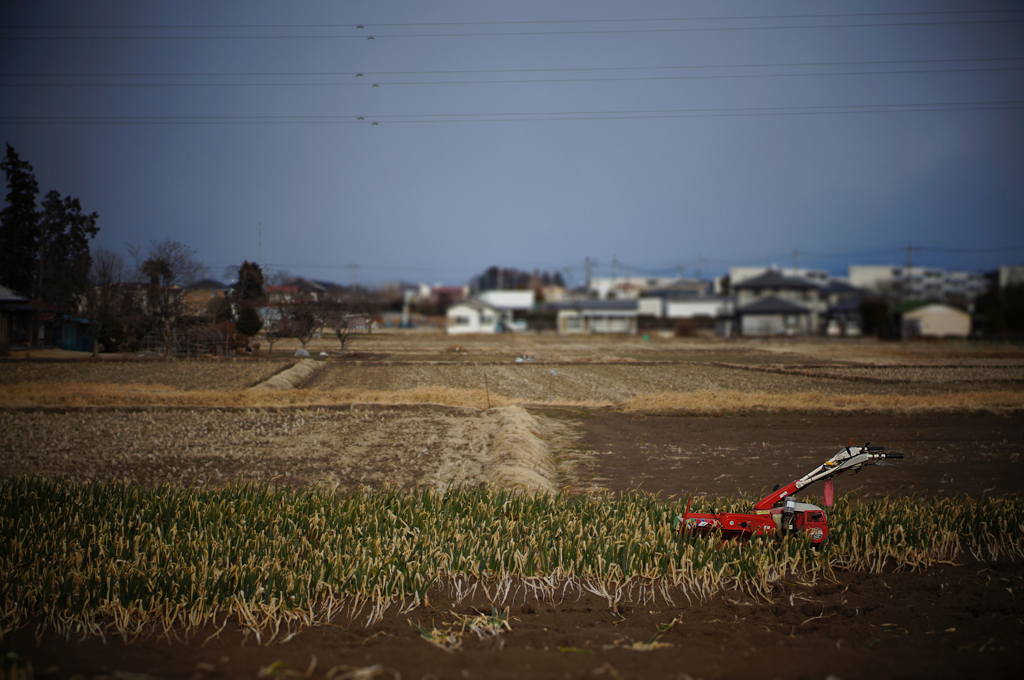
pixel 62 266
pixel 43 253
pixel 19 222
pixel 250 290
pixel 248 322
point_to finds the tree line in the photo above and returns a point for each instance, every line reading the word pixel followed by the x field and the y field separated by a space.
pixel 45 254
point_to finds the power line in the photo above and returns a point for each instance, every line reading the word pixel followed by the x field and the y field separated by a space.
pixel 529 81
pixel 535 22
pixel 517 117
pixel 517 33
pixel 490 71
pixel 968 250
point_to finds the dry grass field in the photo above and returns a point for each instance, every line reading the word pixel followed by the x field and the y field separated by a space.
pixel 594 419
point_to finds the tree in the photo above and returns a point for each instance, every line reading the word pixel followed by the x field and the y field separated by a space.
pixel 63 261
pixel 305 319
pixel 273 330
pixel 250 290
pixel 19 222
pixel 875 315
pixel 168 266
pixel 248 322
pixel 1001 310
pixel 342 323
pixel 104 297
pixel 219 310
pixel 43 252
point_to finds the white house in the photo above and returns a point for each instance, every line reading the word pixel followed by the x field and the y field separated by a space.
pixel 936 321
pixel 511 300
pixel 740 274
pixel 626 287
pixel 711 307
pixel 473 316
pixel 774 316
pixel 803 297
pixel 918 283
pixel 597 316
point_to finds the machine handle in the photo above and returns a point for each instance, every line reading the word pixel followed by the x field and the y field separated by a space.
pixel 892 455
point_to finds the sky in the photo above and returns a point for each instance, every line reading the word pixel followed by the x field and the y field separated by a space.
pixel 426 141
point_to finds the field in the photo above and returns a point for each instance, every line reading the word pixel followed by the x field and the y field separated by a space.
pixel 623 422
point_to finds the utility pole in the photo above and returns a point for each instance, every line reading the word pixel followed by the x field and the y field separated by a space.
pixel 568 276
pixel 586 265
pixel 353 268
pixel 259 245
pixel 700 266
pixel 910 254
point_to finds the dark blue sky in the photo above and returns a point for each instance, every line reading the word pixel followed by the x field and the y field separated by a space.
pixel 528 134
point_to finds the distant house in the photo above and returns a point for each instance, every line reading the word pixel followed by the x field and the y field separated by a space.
pixel 71 333
pixel 774 316
pixel 473 316
pixel 19 320
pixel 554 293
pixel 789 305
pixel 296 289
pixel 710 307
pixel 625 287
pixel 843 314
pixel 935 320
pixel 597 316
pixel 512 300
pixel 199 294
pixel 443 297
pixel 919 283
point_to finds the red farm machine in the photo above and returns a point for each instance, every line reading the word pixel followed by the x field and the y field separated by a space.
pixel 779 513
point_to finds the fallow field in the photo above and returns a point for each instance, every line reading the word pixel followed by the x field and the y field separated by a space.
pixel 502 506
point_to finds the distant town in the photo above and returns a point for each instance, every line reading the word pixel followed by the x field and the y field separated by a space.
pixel 130 311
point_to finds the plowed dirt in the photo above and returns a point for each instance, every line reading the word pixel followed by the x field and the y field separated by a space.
pixel 958 620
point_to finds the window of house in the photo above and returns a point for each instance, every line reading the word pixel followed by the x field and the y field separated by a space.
pixel 461 320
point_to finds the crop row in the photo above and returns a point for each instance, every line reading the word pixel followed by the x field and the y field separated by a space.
pixel 85 558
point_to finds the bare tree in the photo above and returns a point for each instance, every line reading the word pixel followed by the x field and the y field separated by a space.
pixel 104 294
pixel 343 323
pixel 274 329
pixel 169 265
pixel 305 319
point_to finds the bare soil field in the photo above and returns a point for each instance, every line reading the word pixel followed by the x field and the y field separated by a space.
pixel 953 620
pixel 616 382
pixel 341 448
pixel 183 374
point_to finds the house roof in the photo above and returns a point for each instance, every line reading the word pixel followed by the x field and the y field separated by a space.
pixel 623 305
pixel 933 308
pixel 836 286
pixel 851 304
pixel 302 283
pixel 773 278
pixel 772 305
pixel 8 295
